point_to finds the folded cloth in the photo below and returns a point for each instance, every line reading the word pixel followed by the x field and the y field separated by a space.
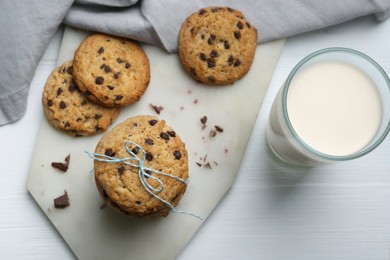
pixel 28 25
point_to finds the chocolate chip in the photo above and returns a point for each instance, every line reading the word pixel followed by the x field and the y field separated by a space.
pixel 67 124
pixel 177 155
pixel 62 166
pixel 121 169
pixel 202 36
pixel 99 80
pixel 135 150
pixel 149 141
pixel 226 44
pixel 248 25
pixel 88 93
pixel 193 72
pixel 164 136
pixel 214 10
pixel 237 35
pixel 135 124
pixel 210 63
pixel 69 70
pixel 97 116
pixel 153 122
pixel 127 65
pixel 211 79
pixel 106 68
pixel 62 105
pixel 79 119
pixel 109 152
pixel 172 133
pixel 211 39
pixel 138 202
pixel 157 109
pixel 148 156
pixel 203 120
pixel 84 102
pixel 240 25
pixel 237 63
pixel 119 60
pixel 230 59
pixel 101 50
pixel 49 103
pixel 213 54
pixel 229 9
pixel 118 97
pixel 72 87
pixel 202 11
pixel 62 201
pixel 97 128
pixel 110 87
pixel 116 75
pixel 219 129
pixel 203 56
pixel 59 91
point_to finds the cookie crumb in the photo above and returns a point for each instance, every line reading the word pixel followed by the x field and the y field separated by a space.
pixel 62 166
pixel 62 201
pixel 218 129
pixel 207 165
pixel 195 101
pixel 213 133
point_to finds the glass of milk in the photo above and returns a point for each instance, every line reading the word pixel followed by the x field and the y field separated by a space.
pixel 334 106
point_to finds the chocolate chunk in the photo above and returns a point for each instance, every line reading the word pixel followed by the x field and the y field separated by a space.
pixel 72 87
pixel 203 56
pixel 118 97
pixel 62 201
pixel 153 122
pixel 69 70
pixel 240 25
pixel 59 91
pixel 62 105
pixel 110 87
pixel 101 50
pixel 219 129
pixel 49 103
pixel 99 80
pixel 202 11
pixel 157 109
pixel 135 150
pixel 109 152
pixel 62 166
pixel 97 116
pixel 149 141
pixel 226 44
pixel 164 136
pixel 211 63
pixel 237 35
pixel 121 169
pixel 203 120
pixel 172 133
pixel 237 63
pixel 148 156
pixel 177 155
pixel 127 65
pixel 119 60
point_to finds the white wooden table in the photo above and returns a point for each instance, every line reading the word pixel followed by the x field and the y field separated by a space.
pixel 272 212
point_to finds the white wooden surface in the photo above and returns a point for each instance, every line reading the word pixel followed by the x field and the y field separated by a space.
pixel 272 211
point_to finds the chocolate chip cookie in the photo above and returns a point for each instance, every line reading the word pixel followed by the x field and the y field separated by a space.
pixel 119 184
pixel 111 71
pixel 217 45
pixel 67 109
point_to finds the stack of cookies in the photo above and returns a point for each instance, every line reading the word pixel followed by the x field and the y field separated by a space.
pixel 84 96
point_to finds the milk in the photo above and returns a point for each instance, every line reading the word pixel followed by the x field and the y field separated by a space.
pixel 333 107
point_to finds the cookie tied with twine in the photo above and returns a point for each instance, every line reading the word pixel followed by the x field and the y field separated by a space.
pixel 141 168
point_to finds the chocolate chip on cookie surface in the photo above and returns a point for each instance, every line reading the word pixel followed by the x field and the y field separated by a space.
pixel 111 71
pixel 67 109
pixel 217 45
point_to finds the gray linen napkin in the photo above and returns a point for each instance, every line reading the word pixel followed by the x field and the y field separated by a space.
pixel 27 26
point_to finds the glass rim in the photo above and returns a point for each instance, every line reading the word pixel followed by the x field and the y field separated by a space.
pixel 290 128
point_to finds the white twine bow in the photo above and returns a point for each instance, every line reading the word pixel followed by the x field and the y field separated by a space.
pixel 144 173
